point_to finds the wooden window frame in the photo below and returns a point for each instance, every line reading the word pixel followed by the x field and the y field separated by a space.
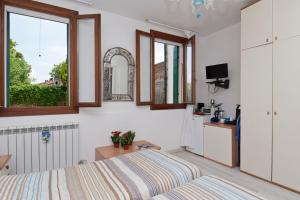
pixel 193 43
pixel 138 68
pixel 98 86
pixel 172 38
pixel 73 80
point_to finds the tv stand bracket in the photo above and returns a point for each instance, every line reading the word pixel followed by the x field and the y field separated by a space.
pixel 220 83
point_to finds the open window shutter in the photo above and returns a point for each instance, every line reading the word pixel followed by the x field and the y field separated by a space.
pixel 143 68
pixel 190 71
pixel 89 67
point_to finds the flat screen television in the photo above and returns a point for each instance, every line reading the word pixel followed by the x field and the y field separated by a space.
pixel 217 71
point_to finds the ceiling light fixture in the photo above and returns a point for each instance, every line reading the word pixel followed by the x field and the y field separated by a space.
pixel 197 6
pixel 188 33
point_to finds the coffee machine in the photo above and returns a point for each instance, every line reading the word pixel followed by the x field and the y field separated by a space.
pixel 216 112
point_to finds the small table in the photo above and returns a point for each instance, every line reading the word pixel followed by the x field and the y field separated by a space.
pixel 4 164
pixel 106 152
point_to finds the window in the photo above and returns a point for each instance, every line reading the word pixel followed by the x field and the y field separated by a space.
pixel 88 57
pixel 190 71
pixel 170 61
pixel 143 68
pixel 37 69
pixel 172 71
pixel 168 73
pixel 38 59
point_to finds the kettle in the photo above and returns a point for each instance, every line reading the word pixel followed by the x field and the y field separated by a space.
pixel 221 114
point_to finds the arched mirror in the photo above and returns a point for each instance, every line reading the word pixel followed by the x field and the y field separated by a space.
pixel 118 75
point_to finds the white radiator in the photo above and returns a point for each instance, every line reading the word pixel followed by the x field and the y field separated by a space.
pixel 31 154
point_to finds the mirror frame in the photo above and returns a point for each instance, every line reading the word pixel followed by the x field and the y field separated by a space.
pixel 107 76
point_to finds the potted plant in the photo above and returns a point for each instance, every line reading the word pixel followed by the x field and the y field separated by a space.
pixel 124 141
pixel 115 138
pixel 131 136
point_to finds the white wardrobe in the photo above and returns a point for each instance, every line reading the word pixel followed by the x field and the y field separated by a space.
pixel 270 125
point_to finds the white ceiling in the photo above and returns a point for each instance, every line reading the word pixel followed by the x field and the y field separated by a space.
pixel 177 13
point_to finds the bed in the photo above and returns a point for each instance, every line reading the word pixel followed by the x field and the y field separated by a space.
pixel 209 188
pixel 139 175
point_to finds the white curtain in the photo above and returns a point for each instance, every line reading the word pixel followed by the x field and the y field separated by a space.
pixel 187 128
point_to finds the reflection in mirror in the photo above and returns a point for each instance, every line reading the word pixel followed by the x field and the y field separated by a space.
pixel 189 69
pixel 119 74
pixel 168 73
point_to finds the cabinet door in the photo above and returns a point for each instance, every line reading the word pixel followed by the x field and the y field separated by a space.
pixel 256 112
pixel 197 141
pixel 256 24
pixel 218 145
pixel 286 18
pixel 286 134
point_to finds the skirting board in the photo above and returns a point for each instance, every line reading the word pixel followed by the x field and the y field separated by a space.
pixel 274 183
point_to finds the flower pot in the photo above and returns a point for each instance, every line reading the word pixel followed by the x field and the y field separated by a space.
pixel 126 147
pixel 116 145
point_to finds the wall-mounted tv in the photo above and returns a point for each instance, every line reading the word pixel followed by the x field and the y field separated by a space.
pixel 217 71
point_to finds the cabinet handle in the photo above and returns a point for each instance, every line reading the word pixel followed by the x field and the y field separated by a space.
pixel 276 38
pixel 275 113
pixel 268 113
pixel 267 40
pixel 7 167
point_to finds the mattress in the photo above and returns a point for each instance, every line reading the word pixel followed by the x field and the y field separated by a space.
pixel 209 188
pixel 139 175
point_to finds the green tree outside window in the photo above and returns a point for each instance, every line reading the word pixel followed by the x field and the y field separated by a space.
pixel 22 93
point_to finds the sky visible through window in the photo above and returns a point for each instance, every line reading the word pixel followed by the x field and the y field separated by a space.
pixel 159 52
pixel 43 43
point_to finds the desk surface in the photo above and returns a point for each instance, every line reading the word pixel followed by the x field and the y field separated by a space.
pixel 221 125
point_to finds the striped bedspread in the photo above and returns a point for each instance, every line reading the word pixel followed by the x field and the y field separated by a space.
pixel 209 188
pixel 140 175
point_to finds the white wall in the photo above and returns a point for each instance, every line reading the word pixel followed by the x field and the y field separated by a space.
pixel 220 47
pixel 160 127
